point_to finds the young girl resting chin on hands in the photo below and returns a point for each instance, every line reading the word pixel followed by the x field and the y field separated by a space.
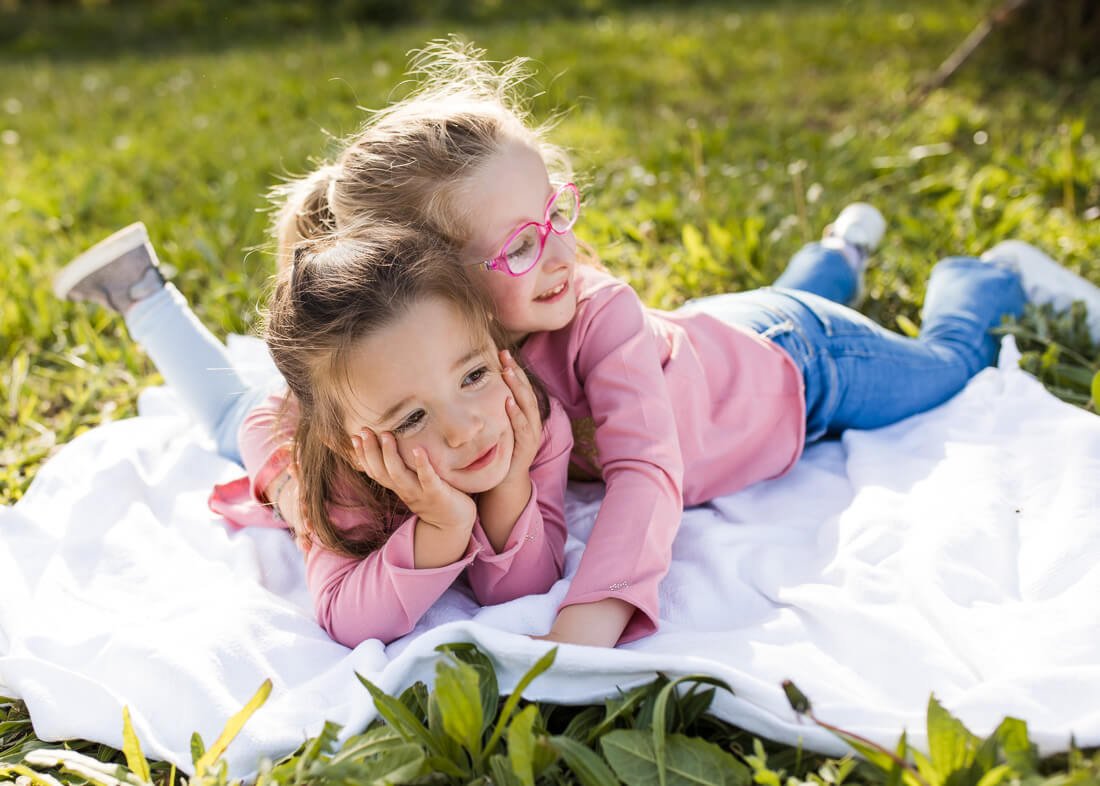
pixel 421 449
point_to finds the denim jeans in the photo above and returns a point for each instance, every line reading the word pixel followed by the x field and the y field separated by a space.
pixel 857 373
pixel 196 365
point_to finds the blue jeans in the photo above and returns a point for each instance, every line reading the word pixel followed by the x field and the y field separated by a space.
pixel 857 373
pixel 196 365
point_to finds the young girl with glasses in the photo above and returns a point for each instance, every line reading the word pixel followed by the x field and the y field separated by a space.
pixel 668 408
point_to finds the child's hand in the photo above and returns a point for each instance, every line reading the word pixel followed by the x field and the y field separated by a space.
pixel 501 506
pixel 596 624
pixel 425 494
pixel 523 412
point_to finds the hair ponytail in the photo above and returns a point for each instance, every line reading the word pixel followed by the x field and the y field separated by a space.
pixel 304 210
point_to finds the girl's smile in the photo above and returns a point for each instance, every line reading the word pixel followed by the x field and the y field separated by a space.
pixel 482 461
pixel 554 294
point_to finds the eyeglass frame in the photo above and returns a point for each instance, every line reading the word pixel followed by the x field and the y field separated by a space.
pixel 544 228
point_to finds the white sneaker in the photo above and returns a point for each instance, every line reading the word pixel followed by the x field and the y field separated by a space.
pixel 115 273
pixel 1045 281
pixel 856 233
pixel 860 225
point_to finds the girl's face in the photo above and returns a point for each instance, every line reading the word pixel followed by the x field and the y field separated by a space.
pixel 434 382
pixel 509 190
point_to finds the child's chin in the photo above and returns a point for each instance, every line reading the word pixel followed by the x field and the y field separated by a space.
pixel 482 484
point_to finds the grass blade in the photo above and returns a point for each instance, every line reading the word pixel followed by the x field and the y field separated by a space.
pixel 232 729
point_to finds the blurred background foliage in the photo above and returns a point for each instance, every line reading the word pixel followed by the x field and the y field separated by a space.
pixel 1061 36
pixel 90 26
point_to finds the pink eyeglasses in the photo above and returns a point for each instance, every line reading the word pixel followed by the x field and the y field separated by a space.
pixel 523 248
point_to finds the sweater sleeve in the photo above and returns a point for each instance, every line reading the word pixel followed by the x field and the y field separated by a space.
pixel 380 596
pixel 630 547
pixel 265 439
pixel 534 554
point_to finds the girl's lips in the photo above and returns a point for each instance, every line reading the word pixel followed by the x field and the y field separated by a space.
pixel 558 293
pixel 481 461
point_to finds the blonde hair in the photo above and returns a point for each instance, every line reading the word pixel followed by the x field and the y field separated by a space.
pixel 410 160
pixel 338 290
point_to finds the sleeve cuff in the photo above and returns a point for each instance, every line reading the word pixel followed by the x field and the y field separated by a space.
pixel 520 535
pixel 274 464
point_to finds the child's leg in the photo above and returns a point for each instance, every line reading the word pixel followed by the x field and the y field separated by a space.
pixel 825 272
pixel 860 375
pixel 1045 281
pixel 120 273
pixel 195 364
pixel 834 267
pixel 857 373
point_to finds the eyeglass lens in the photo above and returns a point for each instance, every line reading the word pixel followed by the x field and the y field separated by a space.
pixel 524 250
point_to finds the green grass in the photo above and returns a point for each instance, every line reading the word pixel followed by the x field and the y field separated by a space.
pixel 711 143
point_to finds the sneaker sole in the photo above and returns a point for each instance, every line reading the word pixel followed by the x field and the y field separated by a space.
pixel 102 253
pixel 1058 285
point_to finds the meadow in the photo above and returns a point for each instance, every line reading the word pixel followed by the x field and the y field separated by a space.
pixel 710 141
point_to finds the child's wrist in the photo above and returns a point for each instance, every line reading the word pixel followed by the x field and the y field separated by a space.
pixel 516 482
pixel 274 492
pixel 446 524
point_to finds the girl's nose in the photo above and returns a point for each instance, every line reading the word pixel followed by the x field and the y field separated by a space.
pixel 559 250
pixel 460 427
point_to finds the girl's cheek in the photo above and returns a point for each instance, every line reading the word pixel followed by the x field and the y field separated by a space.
pixel 504 291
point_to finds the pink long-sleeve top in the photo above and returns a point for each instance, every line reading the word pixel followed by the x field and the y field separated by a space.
pixel 668 409
pixel 383 594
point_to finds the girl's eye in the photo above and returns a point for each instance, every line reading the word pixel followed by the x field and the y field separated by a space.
pixel 411 422
pixel 517 251
pixel 476 377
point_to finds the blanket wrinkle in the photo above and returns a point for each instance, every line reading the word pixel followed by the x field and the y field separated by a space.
pixel 956 552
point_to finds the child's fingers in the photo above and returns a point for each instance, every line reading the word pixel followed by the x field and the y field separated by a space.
pixel 425 472
pixel 369 454
pixel 404 479
pixel 520 385
pixel 520 422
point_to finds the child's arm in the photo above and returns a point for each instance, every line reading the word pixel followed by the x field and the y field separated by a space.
pixel 533 555
pixel 620 368
pixel 265 438
pixel 380 596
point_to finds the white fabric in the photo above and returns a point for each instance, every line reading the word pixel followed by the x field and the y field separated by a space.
pixel 956 552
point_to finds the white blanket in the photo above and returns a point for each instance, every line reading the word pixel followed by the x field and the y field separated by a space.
pixel 956 552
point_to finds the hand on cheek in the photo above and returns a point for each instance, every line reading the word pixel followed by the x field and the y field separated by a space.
pixel 522 407
pixel 417 484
